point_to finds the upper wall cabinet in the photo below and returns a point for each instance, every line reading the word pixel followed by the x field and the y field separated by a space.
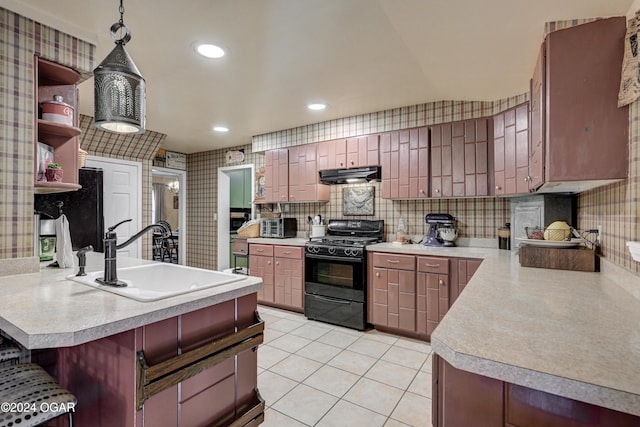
pixel 276 175
pixel 404 157
pixel 349 153
pixel 511 151
pixel 56 140
pixel 304 181
pixel 579 137
pixel 459 159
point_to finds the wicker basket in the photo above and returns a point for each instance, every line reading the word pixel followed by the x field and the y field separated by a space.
pixel 251 231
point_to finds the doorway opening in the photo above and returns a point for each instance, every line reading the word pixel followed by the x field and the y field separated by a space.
pixel 168 198
pixel 228 176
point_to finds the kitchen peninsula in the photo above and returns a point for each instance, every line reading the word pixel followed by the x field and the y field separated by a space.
pixel 521 345
pixel 107 349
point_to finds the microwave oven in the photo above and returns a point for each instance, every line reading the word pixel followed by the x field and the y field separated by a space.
pixel 278 227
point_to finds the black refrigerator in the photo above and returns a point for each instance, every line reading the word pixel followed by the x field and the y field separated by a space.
pixel 83 209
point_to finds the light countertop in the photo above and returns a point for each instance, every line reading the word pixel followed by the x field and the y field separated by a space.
pixel 573 334
pixel 44 310
pixel 294 241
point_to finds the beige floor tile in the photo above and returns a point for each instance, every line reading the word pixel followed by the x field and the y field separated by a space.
pixel 269 356
pixel 285 325
pixel 348 331
pixel 269 318
pixel 273 386
pixel 417 345
pixel 319 352
pixel 381 336
pixel 391 374
pixel 272 311
pixel 405 357
pixel 413 410
pixel 289 342
pixel 305 404
pixel 375 396
pixel 394 423
pixel 332 380
pixel 271 334
pixel 353 362
pixel 295 367
pixel 273 418
pixel 421 384
pixel 338 339
pixel 369 347
pixel 346 414
pixel 428 364
pixel 310 331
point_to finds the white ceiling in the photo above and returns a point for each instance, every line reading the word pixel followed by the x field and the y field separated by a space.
pixel 359 56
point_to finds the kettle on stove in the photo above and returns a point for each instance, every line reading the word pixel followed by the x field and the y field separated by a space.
pixel 442 230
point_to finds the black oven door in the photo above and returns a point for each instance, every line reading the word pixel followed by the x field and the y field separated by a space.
pixel 335 277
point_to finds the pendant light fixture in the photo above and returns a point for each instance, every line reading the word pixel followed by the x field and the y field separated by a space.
pixel 120 97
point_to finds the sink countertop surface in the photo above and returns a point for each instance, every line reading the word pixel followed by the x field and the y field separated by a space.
pixel 573 334
pixel 44 310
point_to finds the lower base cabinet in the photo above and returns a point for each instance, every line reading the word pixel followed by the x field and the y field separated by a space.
pixel 106 377
pixel 409 295
pixel 282 271
pixel 463 399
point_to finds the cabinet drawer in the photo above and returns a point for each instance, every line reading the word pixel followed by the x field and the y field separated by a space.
pixel 264 250
pixel 400 262
pixel 433 265
pixel 288 252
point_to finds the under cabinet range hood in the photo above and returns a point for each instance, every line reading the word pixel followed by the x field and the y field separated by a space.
pixel 349 176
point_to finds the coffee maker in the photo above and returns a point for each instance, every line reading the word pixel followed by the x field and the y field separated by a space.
pixel 442 230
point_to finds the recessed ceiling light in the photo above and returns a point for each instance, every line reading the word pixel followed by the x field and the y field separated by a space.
pixel 209 50
pixel 317 106
pixel 221 129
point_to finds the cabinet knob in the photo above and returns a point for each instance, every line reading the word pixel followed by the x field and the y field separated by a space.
pixel 269 263
pixel 377 274
pixel 498 187
pixel 277 262
pixel 437 190
pixel 352 162
pixel 441 282
pixel 341 163
pixel 527 178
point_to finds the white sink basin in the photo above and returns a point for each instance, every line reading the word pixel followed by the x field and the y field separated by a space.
pixel 151 282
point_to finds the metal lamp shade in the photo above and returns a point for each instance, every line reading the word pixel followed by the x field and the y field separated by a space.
pixel 120 97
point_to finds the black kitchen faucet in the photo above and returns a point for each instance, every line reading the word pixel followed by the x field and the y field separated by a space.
pixel 110 247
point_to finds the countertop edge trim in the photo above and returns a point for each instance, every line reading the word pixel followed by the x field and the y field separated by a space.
pixel 573 389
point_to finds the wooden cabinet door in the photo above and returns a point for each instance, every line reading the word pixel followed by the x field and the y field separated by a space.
pixel 433 300
pixel 332 154
pixel 441 161
pixel 262 266
pixel 362 151
pixel 276 173
pixel 380 297
pixel 538 111
pixel 289 276
pixel 390 156
pixel 511 151
pixel 296 180
pixel 394 299
pixel 419 163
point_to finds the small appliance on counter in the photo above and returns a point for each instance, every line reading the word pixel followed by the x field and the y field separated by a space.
pixel 279 228
pixel 47 236
pixel 442 231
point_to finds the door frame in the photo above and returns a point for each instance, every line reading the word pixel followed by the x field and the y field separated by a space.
pixel 224 205
pixel 182 214
pixel 138 166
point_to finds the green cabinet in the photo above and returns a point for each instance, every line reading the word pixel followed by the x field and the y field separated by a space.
pixel 240 188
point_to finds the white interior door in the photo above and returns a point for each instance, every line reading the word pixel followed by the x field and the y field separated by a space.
pixel 122 191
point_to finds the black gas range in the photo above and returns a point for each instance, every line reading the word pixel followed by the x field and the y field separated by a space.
pixel 336 272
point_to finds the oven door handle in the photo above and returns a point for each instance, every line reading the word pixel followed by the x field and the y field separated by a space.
pixel 334 300
pixel 352 260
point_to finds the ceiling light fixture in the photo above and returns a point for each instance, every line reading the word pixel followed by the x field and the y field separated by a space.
pixel 209 50
pixel 221 129
pixel 120 95
pixel 317 106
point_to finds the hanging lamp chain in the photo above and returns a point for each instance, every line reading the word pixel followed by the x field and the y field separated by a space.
pixel 121 10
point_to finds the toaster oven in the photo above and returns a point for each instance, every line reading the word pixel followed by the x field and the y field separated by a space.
pixel 279 228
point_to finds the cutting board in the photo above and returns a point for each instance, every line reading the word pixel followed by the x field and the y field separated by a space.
pixel 577 259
